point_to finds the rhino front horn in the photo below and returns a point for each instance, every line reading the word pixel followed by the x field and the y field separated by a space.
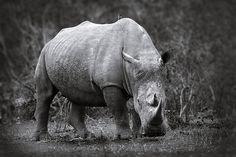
pixel 157 119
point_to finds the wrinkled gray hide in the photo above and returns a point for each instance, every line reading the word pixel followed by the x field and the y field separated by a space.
pixel 103 65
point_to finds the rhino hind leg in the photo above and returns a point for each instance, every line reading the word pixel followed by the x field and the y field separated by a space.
pixel 76 120
pixel 116 101
pixel 45 94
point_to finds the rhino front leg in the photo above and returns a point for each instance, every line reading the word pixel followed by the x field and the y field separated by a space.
pixel 136 123
pixel 116 101
pixel 135 120
pixel 76 119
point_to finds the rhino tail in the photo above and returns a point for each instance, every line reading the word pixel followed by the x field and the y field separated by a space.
pixel 45 90
pixel 41 71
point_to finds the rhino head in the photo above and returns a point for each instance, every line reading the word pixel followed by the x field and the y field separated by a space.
pixel 147 84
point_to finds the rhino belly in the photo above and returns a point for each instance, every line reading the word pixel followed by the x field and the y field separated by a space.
pixel 75 88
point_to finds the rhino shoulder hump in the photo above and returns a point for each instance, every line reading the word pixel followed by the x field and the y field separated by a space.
pixel 85 22
pixel 129 20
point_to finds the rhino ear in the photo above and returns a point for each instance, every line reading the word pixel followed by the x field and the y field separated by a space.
pixel 165 57
pixel 129 58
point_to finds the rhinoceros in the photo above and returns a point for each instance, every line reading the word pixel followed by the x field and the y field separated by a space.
pixel 103 65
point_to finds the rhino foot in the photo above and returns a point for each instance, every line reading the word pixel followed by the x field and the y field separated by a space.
pixel 123 134
pixel 84 134
pixel 136 135
pixel 41 135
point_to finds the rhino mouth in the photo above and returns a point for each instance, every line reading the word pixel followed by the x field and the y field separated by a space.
pixel 154 131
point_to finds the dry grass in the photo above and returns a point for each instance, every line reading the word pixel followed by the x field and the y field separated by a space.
pixel 190 139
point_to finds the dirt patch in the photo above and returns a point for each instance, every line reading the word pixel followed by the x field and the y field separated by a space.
pixel 204 141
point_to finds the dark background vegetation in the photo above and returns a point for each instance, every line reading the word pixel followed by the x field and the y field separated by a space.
pixel 199 34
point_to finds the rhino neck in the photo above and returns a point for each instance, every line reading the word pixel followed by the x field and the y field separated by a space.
pixel 127 81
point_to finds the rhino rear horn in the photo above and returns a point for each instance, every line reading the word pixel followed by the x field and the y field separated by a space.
pixel 155 101
pixel 158 105
pixel 129 58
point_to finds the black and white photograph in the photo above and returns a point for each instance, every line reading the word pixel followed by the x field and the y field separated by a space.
pixel 103 78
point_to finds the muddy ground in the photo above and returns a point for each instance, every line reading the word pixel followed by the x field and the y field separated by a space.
pixel 204 140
